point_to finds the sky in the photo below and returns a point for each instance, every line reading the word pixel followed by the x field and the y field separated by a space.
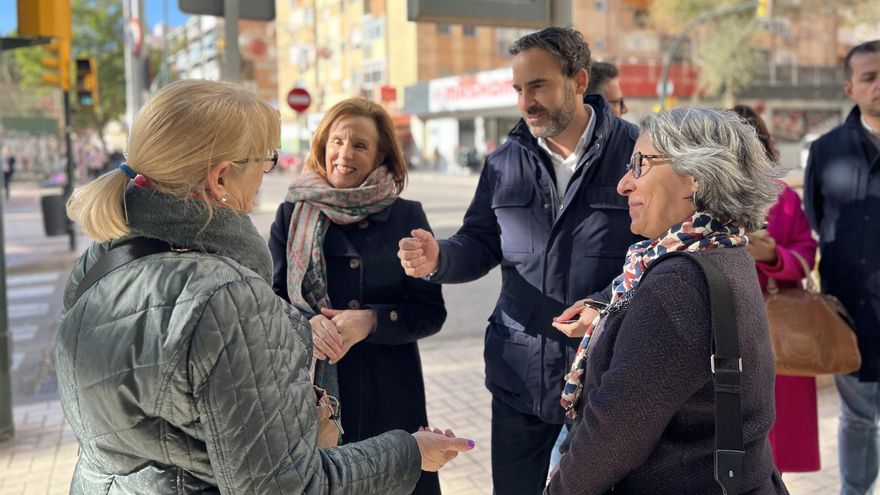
pixel 152 12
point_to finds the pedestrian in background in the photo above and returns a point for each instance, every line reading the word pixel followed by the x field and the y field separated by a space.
pixel 795 433
pixel 181 371
pixel 842 201
pixel 605 80
pixel 333 244
pixel 641 391
pixel 8 170
pixel 546 210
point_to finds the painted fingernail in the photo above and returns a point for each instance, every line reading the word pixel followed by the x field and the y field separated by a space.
pixel 471 444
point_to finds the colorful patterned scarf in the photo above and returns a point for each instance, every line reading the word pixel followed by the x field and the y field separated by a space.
pixel 697 233
pixel 316 204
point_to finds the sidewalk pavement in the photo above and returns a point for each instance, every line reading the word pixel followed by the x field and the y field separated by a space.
pixel 42 455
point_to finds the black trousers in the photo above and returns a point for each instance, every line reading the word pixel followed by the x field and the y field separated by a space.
pixel 521 448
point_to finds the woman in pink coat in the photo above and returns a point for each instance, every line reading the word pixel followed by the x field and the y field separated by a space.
pixel 795 435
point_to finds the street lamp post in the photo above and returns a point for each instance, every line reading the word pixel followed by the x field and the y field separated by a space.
pixel 679 38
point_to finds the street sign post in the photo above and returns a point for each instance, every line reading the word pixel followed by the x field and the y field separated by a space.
pixel 299 100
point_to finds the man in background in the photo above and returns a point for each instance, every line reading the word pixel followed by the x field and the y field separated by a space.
pixel 842 201
pixel 605 80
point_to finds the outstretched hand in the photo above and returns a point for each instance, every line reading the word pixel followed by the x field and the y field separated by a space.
pixel 438 447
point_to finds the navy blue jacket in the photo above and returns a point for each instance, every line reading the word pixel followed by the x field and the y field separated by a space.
pixel 842 201
pixel 552 251
pixel 380 379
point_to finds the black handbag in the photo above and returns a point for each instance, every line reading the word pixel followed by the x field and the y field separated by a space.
pixel 726 366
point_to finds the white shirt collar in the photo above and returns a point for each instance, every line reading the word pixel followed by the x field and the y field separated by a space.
pixel 868 127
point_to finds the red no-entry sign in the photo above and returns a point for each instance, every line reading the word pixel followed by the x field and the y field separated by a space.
pixel 299 99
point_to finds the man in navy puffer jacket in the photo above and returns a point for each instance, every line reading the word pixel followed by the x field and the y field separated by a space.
pixel 547 211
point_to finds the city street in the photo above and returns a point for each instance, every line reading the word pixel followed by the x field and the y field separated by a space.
pixel 41 457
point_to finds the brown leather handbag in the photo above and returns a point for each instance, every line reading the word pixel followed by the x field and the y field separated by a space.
pixel 811 333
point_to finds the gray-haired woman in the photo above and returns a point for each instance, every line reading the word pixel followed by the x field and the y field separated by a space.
pixel 641 392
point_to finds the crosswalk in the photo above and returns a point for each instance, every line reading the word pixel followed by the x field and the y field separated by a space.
pixel 30 302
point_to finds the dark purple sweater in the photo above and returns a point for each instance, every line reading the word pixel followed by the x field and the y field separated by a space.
pixel 646 423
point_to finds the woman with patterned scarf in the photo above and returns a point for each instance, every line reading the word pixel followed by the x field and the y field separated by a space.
pixel 334 244
pixel 640 391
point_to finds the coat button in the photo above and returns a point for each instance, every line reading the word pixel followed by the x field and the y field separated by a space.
pixel 354 304
pixel 393 316
pixel 354 263
pixel 546 206
pixel 363 224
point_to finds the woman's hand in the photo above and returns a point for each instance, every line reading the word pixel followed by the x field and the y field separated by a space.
pixel 354 325
pixel 326 340
pixel 438 447
pixel 576 320
pixel 762 247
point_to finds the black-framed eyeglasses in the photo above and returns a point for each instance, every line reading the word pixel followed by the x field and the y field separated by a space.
pixel 635 162
pixel 271 158
pixel 619 103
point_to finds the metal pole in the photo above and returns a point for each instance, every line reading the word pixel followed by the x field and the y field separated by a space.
pixel 134 65
pixel 163 78
pixel 68 187
pixel 232 65
pixel 7 428
pixel 679 38
pixel 560 13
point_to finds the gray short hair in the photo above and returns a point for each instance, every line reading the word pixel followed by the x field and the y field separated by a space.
pixel 737 181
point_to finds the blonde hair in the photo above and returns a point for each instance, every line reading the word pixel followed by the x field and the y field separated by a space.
pixel 389 146
pixel 176 138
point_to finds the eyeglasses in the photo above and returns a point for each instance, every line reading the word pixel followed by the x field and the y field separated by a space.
pixel 272 158
pixel 618 103
pixel 635 162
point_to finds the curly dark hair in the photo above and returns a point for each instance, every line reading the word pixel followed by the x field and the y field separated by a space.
pixel 566 44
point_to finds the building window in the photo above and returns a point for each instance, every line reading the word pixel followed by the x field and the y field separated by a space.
pixel 443 29
pixel 469 30
pixel 642 19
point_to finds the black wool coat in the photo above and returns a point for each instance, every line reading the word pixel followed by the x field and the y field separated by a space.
pixel 380 379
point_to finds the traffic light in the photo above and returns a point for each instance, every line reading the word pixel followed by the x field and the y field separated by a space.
pixel 57 63
pixel 87 82
pixel 49 18
pixel 763 9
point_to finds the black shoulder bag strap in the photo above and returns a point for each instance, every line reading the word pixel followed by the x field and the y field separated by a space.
pixel 726 366
pixel 120 254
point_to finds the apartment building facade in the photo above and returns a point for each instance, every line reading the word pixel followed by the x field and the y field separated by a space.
pixel 445 83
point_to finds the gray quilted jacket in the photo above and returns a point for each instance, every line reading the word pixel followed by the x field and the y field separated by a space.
pixel 182 372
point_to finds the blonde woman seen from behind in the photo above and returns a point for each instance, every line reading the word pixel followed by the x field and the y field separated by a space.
pixel 182 371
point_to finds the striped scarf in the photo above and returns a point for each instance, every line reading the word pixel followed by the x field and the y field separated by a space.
pixel 697 233
pixel 317 204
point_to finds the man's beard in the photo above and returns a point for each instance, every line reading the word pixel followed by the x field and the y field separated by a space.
pixel 556 121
